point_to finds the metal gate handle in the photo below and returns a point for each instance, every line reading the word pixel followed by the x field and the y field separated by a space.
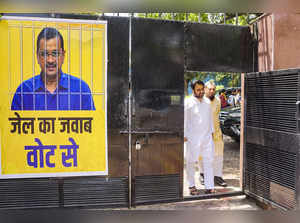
pixel 297 110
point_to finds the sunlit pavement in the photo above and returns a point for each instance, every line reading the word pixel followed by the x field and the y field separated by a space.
pixel 228 203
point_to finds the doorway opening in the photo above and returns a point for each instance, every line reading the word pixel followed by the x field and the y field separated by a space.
pixel 226 159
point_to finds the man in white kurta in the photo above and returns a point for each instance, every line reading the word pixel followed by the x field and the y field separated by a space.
pixel 210 98
pixel 198 131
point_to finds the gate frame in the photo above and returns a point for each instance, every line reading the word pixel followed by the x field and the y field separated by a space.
pixel 243 112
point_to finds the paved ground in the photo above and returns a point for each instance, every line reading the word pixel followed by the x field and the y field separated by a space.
pixel 229 203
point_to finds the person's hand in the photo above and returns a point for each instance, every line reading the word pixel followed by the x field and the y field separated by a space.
pixel 185 139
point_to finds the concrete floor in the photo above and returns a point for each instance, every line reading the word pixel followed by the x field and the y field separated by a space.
pixel 228 203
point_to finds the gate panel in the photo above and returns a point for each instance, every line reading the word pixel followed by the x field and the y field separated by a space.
pixel 271 158
pixel 117 102
pixel 158 94
pixel 100 192
pixel 157 188
pixel 29 193
pixel 222 48
pixel 111 191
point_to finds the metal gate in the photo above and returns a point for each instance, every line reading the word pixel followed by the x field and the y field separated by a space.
pixel 271 156
pixel 146 64
pixel 157 110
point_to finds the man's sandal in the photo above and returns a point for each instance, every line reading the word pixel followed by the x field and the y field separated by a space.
pixel 194 191
pixel 210 191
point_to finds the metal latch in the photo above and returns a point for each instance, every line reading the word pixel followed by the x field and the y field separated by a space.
pixel 138 145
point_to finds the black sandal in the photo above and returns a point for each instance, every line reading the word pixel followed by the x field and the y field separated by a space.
pixel 210 191
pixel 194 191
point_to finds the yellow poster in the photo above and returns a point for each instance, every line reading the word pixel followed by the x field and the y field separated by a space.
pixel 53 97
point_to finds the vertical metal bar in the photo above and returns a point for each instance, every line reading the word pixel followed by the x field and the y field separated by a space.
pixel 57 74
pixel 199 17
pixel 129 117
pixel 33 64
pixel 236 18
pixel 21 67
pixel 80 65
pixel 92 62
pixel 45 66
pixel 297 194
pixel 243 135
pixel 69 67
pixel 224 18
pixel 172 14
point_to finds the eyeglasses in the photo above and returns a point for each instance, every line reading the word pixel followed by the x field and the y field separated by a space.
pixel 47 54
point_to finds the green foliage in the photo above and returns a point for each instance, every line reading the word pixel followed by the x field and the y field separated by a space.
pixel 212 18
pixel 221 79
pixel 219 87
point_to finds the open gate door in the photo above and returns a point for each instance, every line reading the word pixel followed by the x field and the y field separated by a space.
pixel 271 151
pixel 157 110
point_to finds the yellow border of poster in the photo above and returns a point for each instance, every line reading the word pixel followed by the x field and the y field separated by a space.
pixel 47 143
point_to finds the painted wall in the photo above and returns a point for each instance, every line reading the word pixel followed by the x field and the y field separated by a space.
pixel 278 41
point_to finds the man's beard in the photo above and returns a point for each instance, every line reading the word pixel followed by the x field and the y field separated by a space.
pixel 199 96
pixel 211 97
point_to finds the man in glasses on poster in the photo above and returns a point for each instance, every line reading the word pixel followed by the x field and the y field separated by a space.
pixel 52 89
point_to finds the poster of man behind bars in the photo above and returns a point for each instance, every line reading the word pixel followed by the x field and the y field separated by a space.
pixel 53 97
pixel 52 89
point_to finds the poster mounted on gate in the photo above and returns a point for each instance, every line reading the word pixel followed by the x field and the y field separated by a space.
pixel 53 97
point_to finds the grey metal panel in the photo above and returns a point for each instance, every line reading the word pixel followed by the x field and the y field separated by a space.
pixel 117 72
pixel 273 164
pixel 271 161
pixel 224 48
pixel 28 193
pixel 117 91
pixel 158 96
pixel 271 100
pixel 157 75
pixel 157 188
pixel 275 139
pixel 95 191
pixel 262 189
